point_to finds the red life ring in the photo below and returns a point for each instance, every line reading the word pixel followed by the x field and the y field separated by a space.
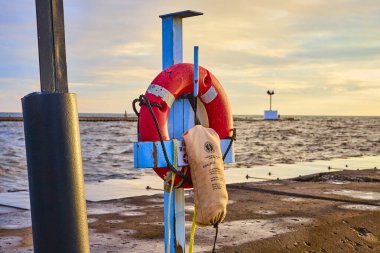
pixel 168 86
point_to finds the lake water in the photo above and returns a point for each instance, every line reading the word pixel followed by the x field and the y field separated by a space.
pixel 107 147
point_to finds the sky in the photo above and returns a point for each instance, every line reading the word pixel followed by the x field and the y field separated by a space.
pixel 320 57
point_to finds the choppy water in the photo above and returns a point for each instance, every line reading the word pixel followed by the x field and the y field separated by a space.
pixel 108 153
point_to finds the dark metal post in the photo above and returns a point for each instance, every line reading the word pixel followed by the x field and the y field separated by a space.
pixel 51 45
pixel 53 149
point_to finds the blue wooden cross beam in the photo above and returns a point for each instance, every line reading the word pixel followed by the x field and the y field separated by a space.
pixel 150 154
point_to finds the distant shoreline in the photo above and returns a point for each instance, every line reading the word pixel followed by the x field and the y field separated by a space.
pixel 81 118
pixel 129 119
pixel 133 118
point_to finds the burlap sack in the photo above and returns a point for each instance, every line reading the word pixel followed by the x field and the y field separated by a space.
pixel 207 173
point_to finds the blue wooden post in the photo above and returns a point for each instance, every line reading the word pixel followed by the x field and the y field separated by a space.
pixel 177 125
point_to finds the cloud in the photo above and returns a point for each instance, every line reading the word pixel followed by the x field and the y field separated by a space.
pixel 132 49
pixel 315 52
pixel 366 75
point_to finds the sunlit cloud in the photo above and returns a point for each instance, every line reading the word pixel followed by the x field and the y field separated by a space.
pixel 365 75
pixel 85 84
pixel 132 49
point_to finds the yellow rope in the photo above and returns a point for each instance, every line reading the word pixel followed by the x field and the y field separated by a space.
pixel 175 153
pixel 192 231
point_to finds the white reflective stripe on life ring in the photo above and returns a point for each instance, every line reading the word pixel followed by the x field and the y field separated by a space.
pixel 210 95
pixel 161 92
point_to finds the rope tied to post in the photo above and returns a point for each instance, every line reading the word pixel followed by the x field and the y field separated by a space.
pixel 143 100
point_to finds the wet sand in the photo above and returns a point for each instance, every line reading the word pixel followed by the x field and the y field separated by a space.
pixel 329 212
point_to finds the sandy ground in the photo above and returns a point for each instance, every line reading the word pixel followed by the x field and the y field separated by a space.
pixel 330 212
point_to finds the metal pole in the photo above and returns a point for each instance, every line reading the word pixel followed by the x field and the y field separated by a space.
pixel 270 102
pixel 196 84
pixel 53 149
pixel 196 71
pixel 172 54
pixel 270 93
